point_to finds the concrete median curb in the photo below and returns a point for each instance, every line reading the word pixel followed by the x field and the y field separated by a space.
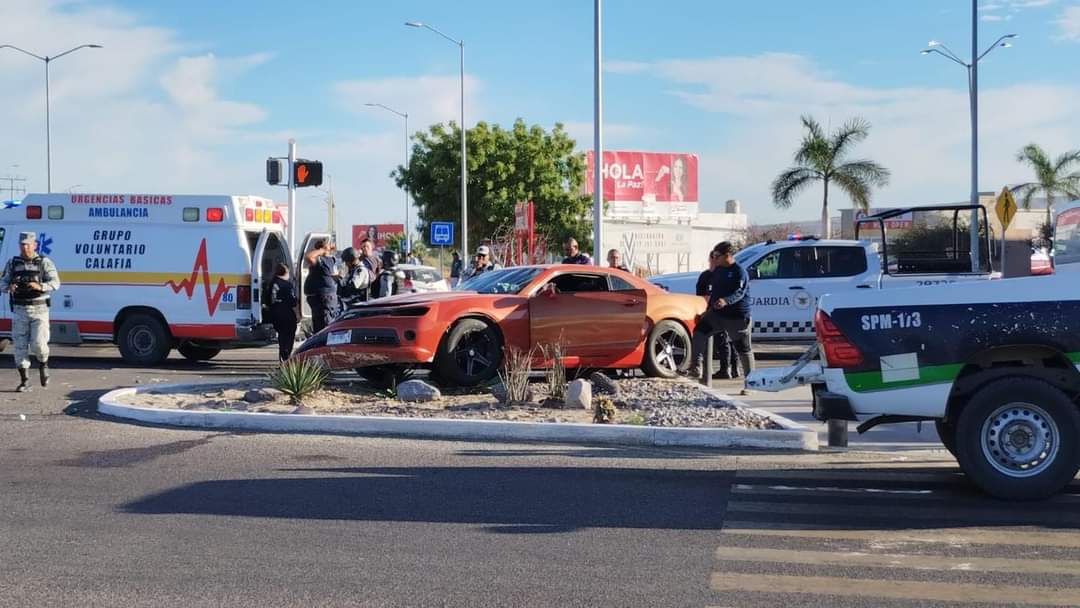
pixel 791 437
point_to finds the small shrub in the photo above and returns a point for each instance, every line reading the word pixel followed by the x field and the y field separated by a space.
pixel 603 410
pixel 298 378
pixel 555 375
pixel 634 418
pixel 517 365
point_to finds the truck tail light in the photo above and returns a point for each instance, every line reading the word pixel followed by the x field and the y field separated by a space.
pixel 839 351
pixel 243 297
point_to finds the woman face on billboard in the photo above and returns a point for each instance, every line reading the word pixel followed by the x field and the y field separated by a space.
pixel 678 178
pixel 373 233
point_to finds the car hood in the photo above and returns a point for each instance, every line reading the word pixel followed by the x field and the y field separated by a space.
pixel 413 299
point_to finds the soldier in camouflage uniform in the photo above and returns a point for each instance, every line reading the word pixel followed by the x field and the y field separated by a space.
pixel 28 279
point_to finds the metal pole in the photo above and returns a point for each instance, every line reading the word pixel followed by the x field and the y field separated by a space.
pixel 408 235
pixel 838 437
pixel 48 133
pixel 464 162
pixel 598 133
pixel 973 91
pixel 292 199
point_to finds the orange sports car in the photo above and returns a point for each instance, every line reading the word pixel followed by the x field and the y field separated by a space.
pixel 604 318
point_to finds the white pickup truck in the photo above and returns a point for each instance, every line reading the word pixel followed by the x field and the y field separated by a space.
pixel 788 277
pixel 993 364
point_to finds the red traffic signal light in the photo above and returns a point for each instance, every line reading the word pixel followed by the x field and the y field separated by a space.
pixel 307 173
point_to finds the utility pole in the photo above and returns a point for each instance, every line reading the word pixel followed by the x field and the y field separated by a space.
pixel 598 136
pixel 292 199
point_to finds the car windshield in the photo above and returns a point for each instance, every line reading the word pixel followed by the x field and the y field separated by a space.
pixel 507 280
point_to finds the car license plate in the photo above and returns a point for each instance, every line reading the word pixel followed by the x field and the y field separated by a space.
pixel 339 337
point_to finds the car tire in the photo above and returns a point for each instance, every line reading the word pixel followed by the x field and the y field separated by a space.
pixel 1019 439
pixel 946 431
pixel 385 377
pixel 470 354
pixel 195 352
pixel 143 340
pixel 667 350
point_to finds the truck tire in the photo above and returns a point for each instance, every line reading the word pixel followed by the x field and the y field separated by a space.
pixel 946 431
pixel 667 350
pixel 143 340
pixel 195 352
pixel 1019 439
pixel 470 354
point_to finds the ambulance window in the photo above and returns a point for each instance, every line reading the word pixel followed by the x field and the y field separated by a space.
pixel 838 262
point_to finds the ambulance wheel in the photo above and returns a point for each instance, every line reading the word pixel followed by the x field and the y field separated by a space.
pixel 143 340
pixel 470 354
pixel 194 352
pixel 667 350
pixel 946 431
pixel 1019 439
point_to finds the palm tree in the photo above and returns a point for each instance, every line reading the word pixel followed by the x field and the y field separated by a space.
pixel 823 158
pixel 1052 177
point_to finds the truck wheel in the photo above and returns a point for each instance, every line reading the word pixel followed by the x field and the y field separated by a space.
pixel 946 431
pixel 1019 439
pixel 143 340
pixel 194 352
pixel 667 350
pixel 470 354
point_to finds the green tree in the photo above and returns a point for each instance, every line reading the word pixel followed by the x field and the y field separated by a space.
pixel 823 158
pixel 505 166
pixel 1052 177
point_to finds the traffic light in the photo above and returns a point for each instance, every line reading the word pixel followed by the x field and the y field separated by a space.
pixel 307 173
pixel 275 171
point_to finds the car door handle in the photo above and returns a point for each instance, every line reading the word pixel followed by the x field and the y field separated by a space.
pixel 793 287
pixel 864 286
pixel 629 303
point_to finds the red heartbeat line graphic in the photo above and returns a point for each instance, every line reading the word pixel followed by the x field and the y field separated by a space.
pixel 188 284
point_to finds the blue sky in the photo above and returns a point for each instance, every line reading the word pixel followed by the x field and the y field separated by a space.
pixel 192 96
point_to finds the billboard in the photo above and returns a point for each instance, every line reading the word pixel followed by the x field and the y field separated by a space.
pixel 376 232
pixel 647 184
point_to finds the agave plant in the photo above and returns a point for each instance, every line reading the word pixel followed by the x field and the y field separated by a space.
pixel 517 366
pixel 298 378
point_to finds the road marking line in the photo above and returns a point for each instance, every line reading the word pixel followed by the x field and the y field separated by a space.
pixel 906 590
pixel 949 536
pixel 981 515
pixel 893 560
pixel 745 488
pixel 865 474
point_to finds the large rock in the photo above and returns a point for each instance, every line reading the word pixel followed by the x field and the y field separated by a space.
pixel 604 385
pixel 417 390
pixel 578 395
pixel 260 395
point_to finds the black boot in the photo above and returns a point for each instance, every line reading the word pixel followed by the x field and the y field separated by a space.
pixel 24 380
pixel 43 372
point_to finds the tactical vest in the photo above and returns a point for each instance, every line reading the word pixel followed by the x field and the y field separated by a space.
pixel 23 272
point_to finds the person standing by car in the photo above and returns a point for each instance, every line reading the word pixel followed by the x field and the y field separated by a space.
pixel 614 260
pixel 482 263
pixel 356 283
pixel 371 261
pixel 29 278
pixel 575 255
pixel 320 287
pixel 455 269
pixel 723 348
pixel 283 310
pixel 387 282
pixel 728 309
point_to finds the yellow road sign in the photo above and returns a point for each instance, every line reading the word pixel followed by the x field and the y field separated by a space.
pixel 1005 208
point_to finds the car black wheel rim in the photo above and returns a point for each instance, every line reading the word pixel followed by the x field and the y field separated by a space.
pixel 142 340
pixel 476 353
pixel 1020 440
pixel 670 350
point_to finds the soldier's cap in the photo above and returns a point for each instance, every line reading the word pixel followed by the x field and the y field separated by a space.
pixel 27 237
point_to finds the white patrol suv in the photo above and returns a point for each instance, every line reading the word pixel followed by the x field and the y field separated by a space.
pixel 788 277
pixel 995 365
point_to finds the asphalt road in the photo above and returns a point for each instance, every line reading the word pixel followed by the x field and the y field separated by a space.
pixel 97 512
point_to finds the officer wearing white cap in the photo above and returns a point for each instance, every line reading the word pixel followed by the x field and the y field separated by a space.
pixel 28 279
pixel 481 264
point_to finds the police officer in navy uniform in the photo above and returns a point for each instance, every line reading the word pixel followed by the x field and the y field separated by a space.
pixel 283 310
pixel 28 279
pixel 728 309
pixel 320 287
pixel 356 282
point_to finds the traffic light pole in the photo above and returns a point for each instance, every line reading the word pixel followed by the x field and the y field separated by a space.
pixel 292 199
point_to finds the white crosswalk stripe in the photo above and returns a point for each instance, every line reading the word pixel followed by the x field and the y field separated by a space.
pixel 879 536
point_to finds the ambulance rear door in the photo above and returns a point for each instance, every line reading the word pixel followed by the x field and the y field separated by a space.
pixel 270 250
pixel 301 271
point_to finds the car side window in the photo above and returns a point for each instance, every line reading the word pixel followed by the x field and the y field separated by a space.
pixel 573 283
pixel 621 284
pixel 784 263
pixel 838 262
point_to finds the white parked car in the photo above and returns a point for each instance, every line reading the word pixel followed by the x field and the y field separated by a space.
pixel 421 279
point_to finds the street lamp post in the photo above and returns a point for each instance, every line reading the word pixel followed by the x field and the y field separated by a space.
pixel 405 115
pixel 972 68
pixel 464 163
pixel 48 136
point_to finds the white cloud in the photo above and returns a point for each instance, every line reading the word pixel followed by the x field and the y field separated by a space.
pixel 992 18
pixel 1069 23
pixel 920 133
pixel 427 99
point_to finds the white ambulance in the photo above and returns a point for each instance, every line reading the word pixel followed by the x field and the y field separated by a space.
pixel 153 272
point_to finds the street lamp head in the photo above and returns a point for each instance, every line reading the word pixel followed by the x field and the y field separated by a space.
pixel 414 24
pixel 924 52
pixel 370 105
pixel 1005 45
pixel 94 46
pixel 1012 35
